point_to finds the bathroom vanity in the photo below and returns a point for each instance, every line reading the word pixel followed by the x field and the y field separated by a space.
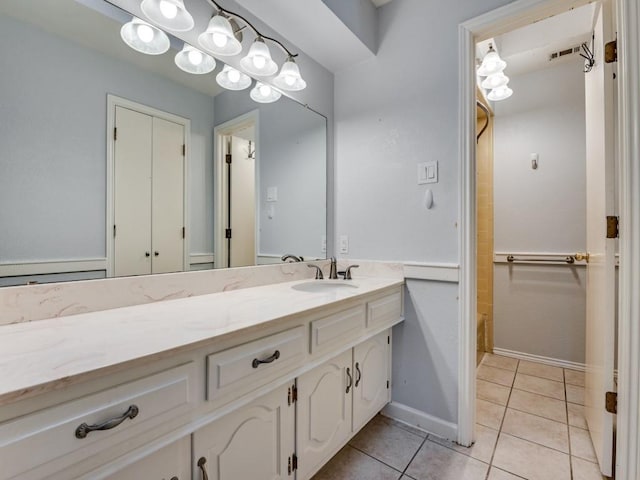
pixel 262 382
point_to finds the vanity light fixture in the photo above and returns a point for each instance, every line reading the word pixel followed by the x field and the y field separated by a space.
pixel 169 14
pixel 289 77
pixel 258 61
pixel 192 60
pixel 500 93
pixel 263 93
pixel 233 79
pixel 491 63
pixel 494 81
pixel 144 38
pixel 219 38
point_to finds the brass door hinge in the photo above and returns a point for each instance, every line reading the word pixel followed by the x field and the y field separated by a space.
pixel 611 52
pixel 612 227
pixel 293 464
pixel 227 158
pixel 227 233
pixel 611 402
pixel 292 396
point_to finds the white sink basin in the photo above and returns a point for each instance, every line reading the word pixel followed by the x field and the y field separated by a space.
pixel 324 286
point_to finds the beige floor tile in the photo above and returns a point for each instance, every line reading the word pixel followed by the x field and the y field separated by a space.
pixel 351 464
pixel 489 414
pixel 499 361
pixel 575 394
pixel 495 375
pixel 540 370
pixel 481 450
pixel 583 470
pixel 541 386
pixel 538 405
pixel 581 445
pixel 492 392
pixel 536 429
pixel 576 415
pixel 497 474
pixel 435 462
pixel 574 377
pixel 529 460
pixel 387 443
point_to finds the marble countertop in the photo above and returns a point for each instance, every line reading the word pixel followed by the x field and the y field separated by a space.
pixel 41 356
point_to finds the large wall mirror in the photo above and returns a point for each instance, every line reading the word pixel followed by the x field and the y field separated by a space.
pixel 76 201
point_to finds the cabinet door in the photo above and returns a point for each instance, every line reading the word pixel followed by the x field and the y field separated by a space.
pixel 372 378
pixel 172 462
pixel 254 442
pixel 323 413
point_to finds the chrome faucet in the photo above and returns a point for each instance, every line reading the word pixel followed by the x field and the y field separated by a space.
pixel 293 258
pixel 333 270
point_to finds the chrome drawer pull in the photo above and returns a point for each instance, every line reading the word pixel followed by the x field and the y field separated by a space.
pixel 350 380
pixel 201 463
pixel 359 377
pixel 83 429
pixel 256 363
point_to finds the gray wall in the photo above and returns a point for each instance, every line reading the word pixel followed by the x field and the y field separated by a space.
pixel 393 112
pixel 53 161
pixel 541 309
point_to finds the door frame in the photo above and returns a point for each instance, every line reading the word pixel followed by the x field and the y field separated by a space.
pixel 220 185
pixel 506 18
pixel 114 101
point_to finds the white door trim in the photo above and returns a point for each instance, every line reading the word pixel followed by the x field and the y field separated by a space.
pixel 114 101
pixel 509 17
pixel 219 186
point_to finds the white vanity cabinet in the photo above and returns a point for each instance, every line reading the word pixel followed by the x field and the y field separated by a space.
pixel 254 442
pixel 172 462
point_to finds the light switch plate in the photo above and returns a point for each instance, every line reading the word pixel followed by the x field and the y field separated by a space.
pixel 344 244
pixel 427 173
pixel 272 194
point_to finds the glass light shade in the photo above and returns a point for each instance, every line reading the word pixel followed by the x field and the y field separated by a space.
pixel 258 61
pixel 500 93
pixel 262 93
pixel 192 60
pixel 219 39
pixel 494 81
pixel 289 77
pixel 233 79
pixel 144 38
pixel 169 14
pixel 491 63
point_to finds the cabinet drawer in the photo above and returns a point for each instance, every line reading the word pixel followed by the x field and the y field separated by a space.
pixel 385 310
pixel 329 332
pixel 53 433
pixel 239 370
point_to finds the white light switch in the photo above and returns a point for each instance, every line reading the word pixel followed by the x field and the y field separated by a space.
pixel 344 244
pixel 427 173
pixel 271 211
pixel 272 194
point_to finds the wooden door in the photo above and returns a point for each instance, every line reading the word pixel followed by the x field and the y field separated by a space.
pixel 254 442
pixel 371 364
pixel 323 413
pixel 132 193
pixel 601 265
pixel 167 205
pixel 242 198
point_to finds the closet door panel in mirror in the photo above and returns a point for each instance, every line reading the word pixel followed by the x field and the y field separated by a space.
pixel 132 198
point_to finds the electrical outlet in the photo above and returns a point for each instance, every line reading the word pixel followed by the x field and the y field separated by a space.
pixel 344 244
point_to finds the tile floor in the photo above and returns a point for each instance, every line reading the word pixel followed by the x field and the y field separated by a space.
pixel 529 426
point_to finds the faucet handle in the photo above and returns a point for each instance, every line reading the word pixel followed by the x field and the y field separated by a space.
pixel 319 275
pixel 347 272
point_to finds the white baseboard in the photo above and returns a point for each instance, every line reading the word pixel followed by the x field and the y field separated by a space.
pixel 421 420
pixel 554 362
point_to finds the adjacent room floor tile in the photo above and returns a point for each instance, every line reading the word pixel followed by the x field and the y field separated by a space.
pixel 530 460
pixel 575 394
pixel 576 415
pixel 574 377
pixel 495 375
pixel 538 405
pixel 388 443
pixel 489 414
pixel 492 392
pixel 499 361
pixel 351 464
pixel 540 370
pixel 481 450
pixel 536 429
pixel 541 386
pixel 435 462
pixel 581 445
pixel 497 474
pixel 583 470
